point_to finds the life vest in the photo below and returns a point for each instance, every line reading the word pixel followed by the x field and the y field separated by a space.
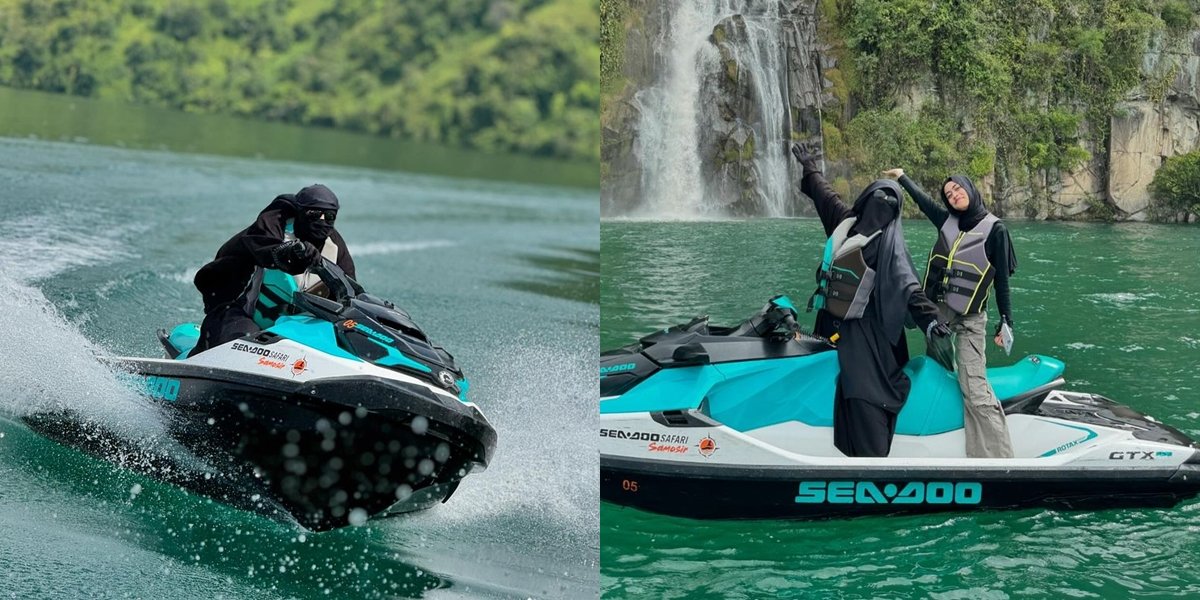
pixel 959 272
pixel 273 289
pixel 844 281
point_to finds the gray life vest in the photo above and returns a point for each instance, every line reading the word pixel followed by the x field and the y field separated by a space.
pixel 959 272
pixel 844 281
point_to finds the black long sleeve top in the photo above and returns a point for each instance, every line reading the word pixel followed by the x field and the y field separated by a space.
pixel 833 211
pixel 996 245
pixel 224 278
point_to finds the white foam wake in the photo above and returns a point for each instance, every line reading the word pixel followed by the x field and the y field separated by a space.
pixel 46 363
pixel 373 248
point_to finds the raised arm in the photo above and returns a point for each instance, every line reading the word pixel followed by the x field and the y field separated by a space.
pixel 933 210
pixel 260 240
pixel 263 242
pixel 828 203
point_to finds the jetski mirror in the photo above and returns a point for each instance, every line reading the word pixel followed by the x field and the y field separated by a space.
pixel 691 354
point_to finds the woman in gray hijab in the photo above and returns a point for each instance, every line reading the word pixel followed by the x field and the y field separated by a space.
pixel 973 255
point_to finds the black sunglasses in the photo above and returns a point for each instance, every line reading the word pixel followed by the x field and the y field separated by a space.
pixel 313 214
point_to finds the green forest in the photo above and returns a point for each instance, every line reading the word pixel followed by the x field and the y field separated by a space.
pixel 517 76
pixel 1023 83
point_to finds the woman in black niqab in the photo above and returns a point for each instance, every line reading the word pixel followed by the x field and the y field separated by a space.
pixel 872 351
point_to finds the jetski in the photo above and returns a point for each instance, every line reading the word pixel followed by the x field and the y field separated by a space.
pixel 339 410
pixel 703 421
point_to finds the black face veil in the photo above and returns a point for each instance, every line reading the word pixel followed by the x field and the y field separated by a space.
pixel 314 197
pixel 876 207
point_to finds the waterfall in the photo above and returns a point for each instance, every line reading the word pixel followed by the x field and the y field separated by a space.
pixel 761 56
pixel 668 147
pixel 715 98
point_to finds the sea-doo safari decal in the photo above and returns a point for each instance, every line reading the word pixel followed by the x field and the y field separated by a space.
pixel 707 446
pixel 642 436
pixel 260 351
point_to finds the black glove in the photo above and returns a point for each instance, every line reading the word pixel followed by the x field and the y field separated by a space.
pixel 937 329
pixel 295 257
pixel 808 156
pixel 1004 319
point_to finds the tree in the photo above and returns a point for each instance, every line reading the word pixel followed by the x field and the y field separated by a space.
pixel 1176 186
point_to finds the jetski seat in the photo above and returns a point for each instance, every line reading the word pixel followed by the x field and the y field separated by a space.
pixel 802 388
pixel 180 341
pixel 934 404
pixel 277 288
pixel 274 295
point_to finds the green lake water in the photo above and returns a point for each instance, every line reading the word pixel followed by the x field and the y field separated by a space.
pixel 1119 303
pixel 100 245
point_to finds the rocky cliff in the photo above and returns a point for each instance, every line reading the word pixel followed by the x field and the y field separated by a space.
pixel 1160 118
pixel 757 89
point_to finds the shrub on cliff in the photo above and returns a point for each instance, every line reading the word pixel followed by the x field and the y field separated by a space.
pixel 1176 187
pixel 928 146
pixel 1176 14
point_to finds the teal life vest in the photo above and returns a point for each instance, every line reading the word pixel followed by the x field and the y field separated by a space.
pixel 844 281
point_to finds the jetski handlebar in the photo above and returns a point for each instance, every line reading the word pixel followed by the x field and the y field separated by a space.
pixel 341 286
pixel 342 290
pixel 348 295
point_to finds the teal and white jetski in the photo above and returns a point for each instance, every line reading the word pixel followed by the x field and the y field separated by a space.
pixel 737 422
pixel 339 410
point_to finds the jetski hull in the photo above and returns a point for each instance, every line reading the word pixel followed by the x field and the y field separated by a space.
pixel 328 452
pixel 783 492
pixel 683 463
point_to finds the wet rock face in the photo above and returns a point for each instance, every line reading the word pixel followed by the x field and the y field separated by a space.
pixel 1148 130
pixel 728 105
pixel 767 93
pixel 620 185
pixel 1158 120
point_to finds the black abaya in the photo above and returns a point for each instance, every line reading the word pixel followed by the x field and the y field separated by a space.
pixel 871 385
